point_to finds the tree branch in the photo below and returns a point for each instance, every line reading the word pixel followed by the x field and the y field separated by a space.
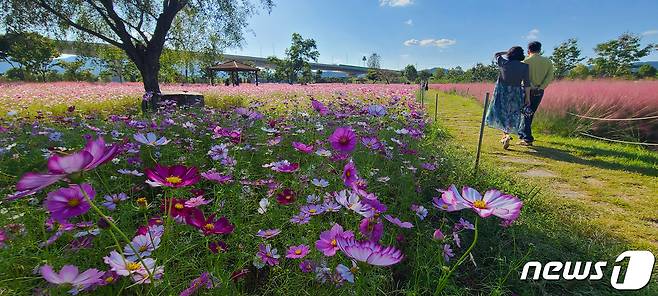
pixel 71 23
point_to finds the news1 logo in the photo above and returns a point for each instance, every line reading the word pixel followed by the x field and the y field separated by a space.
pixel 637 275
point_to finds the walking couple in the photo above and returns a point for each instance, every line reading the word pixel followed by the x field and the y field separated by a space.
pixel 518 92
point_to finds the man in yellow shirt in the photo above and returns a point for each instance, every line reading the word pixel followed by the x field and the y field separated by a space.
pixel 541 74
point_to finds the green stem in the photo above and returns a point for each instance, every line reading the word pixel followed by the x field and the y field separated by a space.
pixel 444 278
pixel 121 233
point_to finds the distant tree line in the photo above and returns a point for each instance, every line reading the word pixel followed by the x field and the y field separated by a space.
pixel 614 59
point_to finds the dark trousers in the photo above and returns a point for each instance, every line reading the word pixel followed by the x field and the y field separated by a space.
pixel 525 130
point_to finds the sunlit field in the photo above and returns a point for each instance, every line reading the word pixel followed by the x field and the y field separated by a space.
pixel 606 99
pixel 291 187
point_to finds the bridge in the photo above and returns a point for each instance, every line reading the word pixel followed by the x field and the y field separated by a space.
pixel 74 48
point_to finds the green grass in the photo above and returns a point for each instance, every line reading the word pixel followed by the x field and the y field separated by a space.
pixel 550 227
pixel 596 200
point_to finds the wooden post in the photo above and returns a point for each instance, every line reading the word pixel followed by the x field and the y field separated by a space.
pixel 436 106
pixel 484 115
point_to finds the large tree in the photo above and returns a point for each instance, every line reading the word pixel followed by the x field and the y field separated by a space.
pixel 30 52
pixel 616 57
pixel 410 73
pixel 565 57
pixel 374 61
pixel 296 62
pixel 139 27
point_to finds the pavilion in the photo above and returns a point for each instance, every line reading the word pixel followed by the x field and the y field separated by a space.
pixel 232 67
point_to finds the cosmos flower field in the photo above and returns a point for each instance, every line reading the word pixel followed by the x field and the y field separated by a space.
pixel 325 189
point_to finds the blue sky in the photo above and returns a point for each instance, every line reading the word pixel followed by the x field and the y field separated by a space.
pixel 431 33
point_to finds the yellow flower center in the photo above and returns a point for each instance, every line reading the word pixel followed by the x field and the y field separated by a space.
pixel 298 252
pixel 132 266
pixel 179 206
pixel 209 226
pixel 480 204
pixel 109 279
pixel 312 210
pixel 174 180
pixel 141 201
pixel 334 243
pixel 348 174
pixel 143 248
pixel 73 202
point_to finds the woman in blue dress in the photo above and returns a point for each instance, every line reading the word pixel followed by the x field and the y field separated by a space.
pixel 510 96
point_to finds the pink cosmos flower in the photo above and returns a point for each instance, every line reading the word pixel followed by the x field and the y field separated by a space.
pixel 350 174
pixel 328 242
pixel 398 222
pixel 319 107
pixel 268 255
pixel 268 233
pixel 301 147
pixel 369 252
pixel 494 202
pixel 312 209
pixel 371 228
pixel 69 275
pixel 283 166
pixel 93 155
pixel 196 202
pixel 69 202
pixel 124 266
pixel 204 280
pixel 214 176
pixel 208 226
pixel 351 200
pixel 173 176
pixel 343 139
pixel 438 235
pixel 447 253
pixel 296 252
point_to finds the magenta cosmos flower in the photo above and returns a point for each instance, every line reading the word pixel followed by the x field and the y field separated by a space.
pixel 297 252
pixel 173 176
pixel 69 202
pixel 350 174
pixel 69 275
pixel 282 166
pixel 214 176
pixel 301 147
pixel 398 222
pixel 372 228
pixel 318 106
pixel 268 233
pixel 369 252
pixel 286 197
pixel 94 154
pixel 208 225
pixel 343 139
pixel 328 242
pixel 494 202
pixel 268 255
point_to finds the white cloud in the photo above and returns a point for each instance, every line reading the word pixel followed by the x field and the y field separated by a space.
pixel 409 22
pixel 650 32
pixel 441 43
pixel 395 3
pixel 532 35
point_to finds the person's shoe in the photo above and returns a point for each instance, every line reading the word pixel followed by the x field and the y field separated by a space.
pixel 506 141
pixel 524 143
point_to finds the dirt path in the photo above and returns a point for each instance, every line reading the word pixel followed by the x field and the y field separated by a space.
pixel 612 186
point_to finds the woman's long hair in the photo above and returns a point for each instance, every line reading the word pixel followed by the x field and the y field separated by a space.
pixel 515 54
